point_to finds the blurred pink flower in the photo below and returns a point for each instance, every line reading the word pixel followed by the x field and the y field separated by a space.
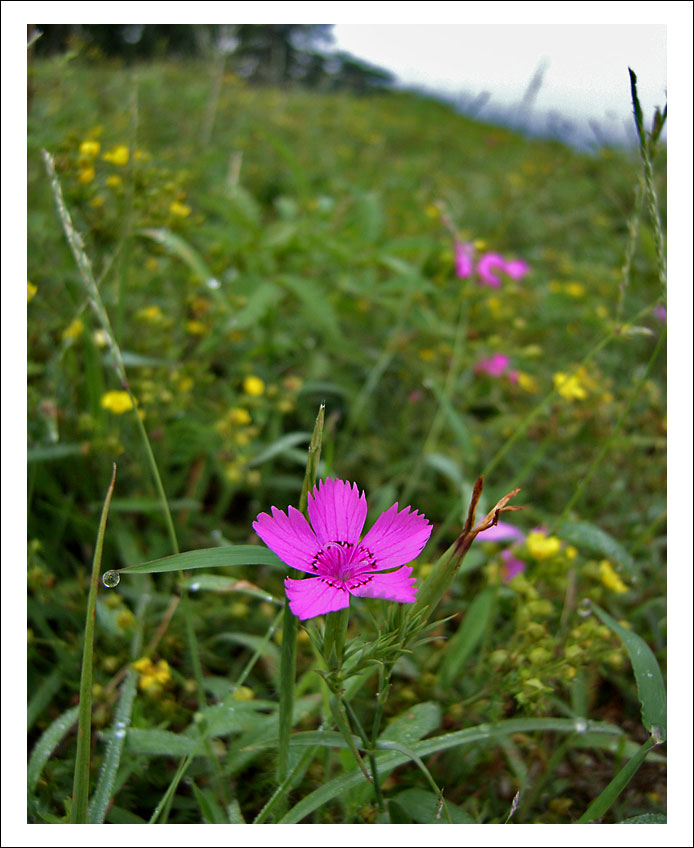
pixel 494 366
pixel 487 263
pixel 502 532
pixel 517 268
pixel 660 313
pixel 512 565
pixel 464 255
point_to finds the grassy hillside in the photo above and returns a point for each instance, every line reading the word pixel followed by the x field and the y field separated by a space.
pixel 259 252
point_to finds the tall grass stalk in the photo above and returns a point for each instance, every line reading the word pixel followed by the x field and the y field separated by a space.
pixel 80 791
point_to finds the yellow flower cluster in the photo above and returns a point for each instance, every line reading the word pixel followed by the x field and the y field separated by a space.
pixel 182 210
pixel 569 387
pixel 117 156
pixel 116 402
pixel 150 314
pixel 31 291
pixel 540 546
pixel 89 148
pixel 152 675
pixel 611 579
pixel 74 330
pixel 253 386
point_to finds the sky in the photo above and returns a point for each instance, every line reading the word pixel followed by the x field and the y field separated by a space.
pixel 584 67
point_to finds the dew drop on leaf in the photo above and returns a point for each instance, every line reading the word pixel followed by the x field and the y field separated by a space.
pixel 111 579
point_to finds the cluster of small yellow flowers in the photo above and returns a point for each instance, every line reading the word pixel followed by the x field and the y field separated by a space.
pixel 114 181
pixel 74 330
pixel 527 383
pixel 182 210
pixel 31 291
pixel 117 402
pixel 574 289
pixel 86 175
pixel 196 328
pixel 541 546
pixel 610 579
pixel 234 427
pixel 569 387
pixel 153 676
pixel 117 156
pixel 292 386
pixel 253 386
pixel 89 148
pixel 150 314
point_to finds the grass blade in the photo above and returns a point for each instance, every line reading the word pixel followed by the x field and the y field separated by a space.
pixel 207 558
pixel 47 743
pixel 649 680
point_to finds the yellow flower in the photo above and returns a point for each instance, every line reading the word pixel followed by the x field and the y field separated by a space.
pixel 480 244
pixel 117 155
pixel 144 664
pixel 571 552
pixel 116 402
pixel 97 201
pixel 185 384
pixel 432 211
pixel 74 331
pixel 31 291
pixel 253 386
pixel 90 148
pixel 527 383
pixel 100 338
pixel 426 355
pixel 611 579
pixel 180 209
pixel 114 180
pixel 161 672
pixel 243 693
pixel 569 387
pixel 574 289
pixel 86 175
pixel 196 328
pixel 150 314
pixel 239 415
pixel 541 546
pixel 494 305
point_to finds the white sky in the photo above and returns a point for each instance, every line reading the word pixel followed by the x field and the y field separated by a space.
pixel 586 65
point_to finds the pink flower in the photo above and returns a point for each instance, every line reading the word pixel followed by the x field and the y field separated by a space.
pixel 486 265
pixel 464 254
pixel 494 366
pixel 329 549
pixel 512 565
pixel 517 268
pixel 501 532
pixel 660 313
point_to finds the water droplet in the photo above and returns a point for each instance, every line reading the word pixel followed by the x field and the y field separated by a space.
pixel 111 579
pixel 658 734
pixel 213 283
pixel 649 674
pixel 194 587
pixel 581 725
pixel 119 733
pixel 585 608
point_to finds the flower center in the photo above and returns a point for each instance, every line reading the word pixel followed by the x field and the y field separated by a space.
pixel 342 560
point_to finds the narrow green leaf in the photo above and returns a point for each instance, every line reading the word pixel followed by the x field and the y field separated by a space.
pixel 646 818
pixel 208 558
pixel 319 310
pixel 612 791
pixel 46 453
pixel 161 743
pixel 211 813
pixel 421 806
pixel 468 637
pixel 413 723
pixel 47 743
pixel 80 790
pixel 277 448
pixel 43 696
pixel 262 299
pixel 649 680
pixel 480 734
pixel 587 537
pixel 177 246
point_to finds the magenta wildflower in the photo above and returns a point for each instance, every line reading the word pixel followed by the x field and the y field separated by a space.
pixel 489 262
pixel 494 366
pixel 329 549
pixel 660 313
pixel 517 268
pixel 502 532
pixel 512 565
pixel 464 255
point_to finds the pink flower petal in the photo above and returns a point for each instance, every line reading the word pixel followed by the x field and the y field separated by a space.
pixel 501 532
pixel 337 511
pixel 290 537
pixel 464 254
pixel 392 586
pixel 397 537
pixel 517 268
pixel 487 263
pixel 315 596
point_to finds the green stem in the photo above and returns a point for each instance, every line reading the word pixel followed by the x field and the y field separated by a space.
pixel 80 791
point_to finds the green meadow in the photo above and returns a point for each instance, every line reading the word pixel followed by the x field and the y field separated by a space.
pixel 210 265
